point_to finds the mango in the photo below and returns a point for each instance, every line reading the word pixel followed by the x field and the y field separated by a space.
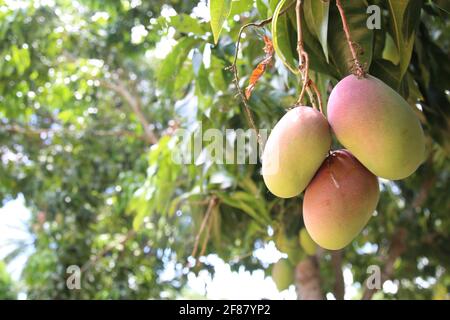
pixel 283 274
pixel 289 245
pixel 339 201
pixel 308 244
pixel 296 147
pixel 377 126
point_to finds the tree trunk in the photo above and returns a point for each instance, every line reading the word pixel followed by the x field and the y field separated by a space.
pixel 307 279
pixel 339 284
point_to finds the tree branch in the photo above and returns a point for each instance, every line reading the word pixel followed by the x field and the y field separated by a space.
pixel 134 102
pixel 135 105
pixel 209 210
pixel 205 240
pixel 339 285
pixel 307 279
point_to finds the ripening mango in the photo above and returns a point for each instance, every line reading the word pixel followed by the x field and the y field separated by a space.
pixel 296 147
pixel 283 274
pixel 377 126
pixel 339 201
pixel 289 245
pixel 308 244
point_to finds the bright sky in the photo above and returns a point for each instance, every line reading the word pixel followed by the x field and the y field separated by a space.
pixel 250 285
pixel 13 227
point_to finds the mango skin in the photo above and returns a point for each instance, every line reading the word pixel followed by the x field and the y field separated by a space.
pixel 296 147
pixel 377 126
pixel 308 244
pixel 283 274
pixel 339 201
pixel 288 245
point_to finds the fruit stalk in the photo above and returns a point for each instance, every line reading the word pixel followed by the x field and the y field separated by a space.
pixel 318 95
pixel 303 59
pixel 303 65
pixel 358 67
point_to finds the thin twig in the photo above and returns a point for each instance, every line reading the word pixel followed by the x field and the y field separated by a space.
pixel 212 203
pixel 234 69
pixel 303 58
pixel 205 241
pixel 247 108
pixel 358 68
pixel 131 99
pixel 256 25
pixel 303 63
pixel 135 105
pixel 318 95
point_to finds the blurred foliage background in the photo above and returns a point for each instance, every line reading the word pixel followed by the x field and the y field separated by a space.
pixel 92 92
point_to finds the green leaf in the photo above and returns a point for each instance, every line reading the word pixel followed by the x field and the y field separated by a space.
pixel 20 58
pixel 240 6
pixel 262 7
pixel 339 51
pixel 280 38
pixel 323 82
pixel 67 115
pixel 248 184
pixel 390 51
pixel 216 75
pixel 178 200
pixel 183 79
pixel 386 71
pixel 186 23
pixel 248 204
pixel 140 206
pixel 379 43
pixel 414 93
pixel 173 63
pixel 317 60
pixel 405 16
pixel 316 15
pixel 219 11
pixel 203 83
